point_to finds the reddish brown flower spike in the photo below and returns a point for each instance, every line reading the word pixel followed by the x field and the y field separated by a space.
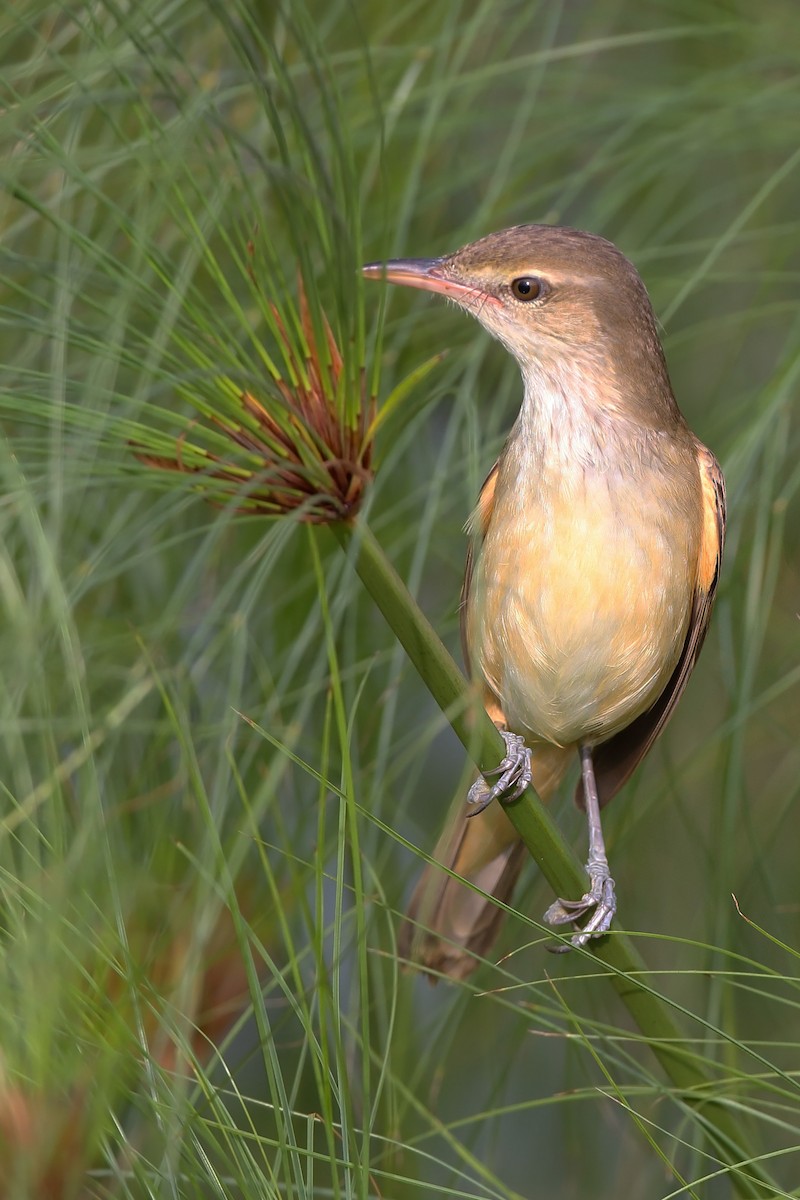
pixel 300 455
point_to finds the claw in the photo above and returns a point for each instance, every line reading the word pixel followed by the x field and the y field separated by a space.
pixel 515 775
pixel 597 907
pixel 599 903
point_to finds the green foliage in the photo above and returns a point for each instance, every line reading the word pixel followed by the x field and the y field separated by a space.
pixel 216 762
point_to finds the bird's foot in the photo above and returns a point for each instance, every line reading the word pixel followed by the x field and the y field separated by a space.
pixel 514 772
pixel 599 904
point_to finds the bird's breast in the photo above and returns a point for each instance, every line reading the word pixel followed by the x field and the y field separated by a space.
pixel 581 598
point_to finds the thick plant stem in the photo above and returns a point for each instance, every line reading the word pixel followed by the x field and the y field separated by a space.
pixel 556 860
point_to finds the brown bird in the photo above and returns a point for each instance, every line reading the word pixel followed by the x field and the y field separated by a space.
pixel 595 553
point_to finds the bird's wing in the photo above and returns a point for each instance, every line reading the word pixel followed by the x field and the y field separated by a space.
pixel 478 524
pixel 616 759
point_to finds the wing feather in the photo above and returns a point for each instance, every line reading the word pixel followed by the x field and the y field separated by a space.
pixel 476 528
pixel 616 759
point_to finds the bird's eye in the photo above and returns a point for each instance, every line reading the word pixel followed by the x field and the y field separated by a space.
pixel 526 288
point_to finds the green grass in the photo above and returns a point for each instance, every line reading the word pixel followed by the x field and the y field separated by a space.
pixel 217 762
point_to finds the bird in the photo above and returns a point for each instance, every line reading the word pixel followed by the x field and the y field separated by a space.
pixel 593 562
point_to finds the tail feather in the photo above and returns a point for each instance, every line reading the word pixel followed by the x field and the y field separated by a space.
pixel 449 927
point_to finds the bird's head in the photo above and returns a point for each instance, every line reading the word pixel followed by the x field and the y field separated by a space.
pixel 552 296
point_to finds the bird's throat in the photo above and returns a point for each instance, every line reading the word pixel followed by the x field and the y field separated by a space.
pixel 571 422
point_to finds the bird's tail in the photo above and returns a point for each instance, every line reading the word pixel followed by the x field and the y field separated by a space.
pixel 449 927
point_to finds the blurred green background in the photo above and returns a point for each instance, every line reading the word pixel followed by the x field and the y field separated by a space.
pixel 215 762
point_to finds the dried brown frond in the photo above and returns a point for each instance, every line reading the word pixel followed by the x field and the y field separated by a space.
pixel 50 1132
pixel 45 1145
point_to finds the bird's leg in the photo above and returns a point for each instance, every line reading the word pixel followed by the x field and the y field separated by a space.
pixel 514 772
pixel 599 901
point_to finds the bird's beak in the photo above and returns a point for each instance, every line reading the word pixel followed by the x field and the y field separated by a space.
pixel 424 273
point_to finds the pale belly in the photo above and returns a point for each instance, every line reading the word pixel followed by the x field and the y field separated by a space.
pixel 576 619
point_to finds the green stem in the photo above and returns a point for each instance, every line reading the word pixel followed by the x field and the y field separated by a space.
pixel 556 860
